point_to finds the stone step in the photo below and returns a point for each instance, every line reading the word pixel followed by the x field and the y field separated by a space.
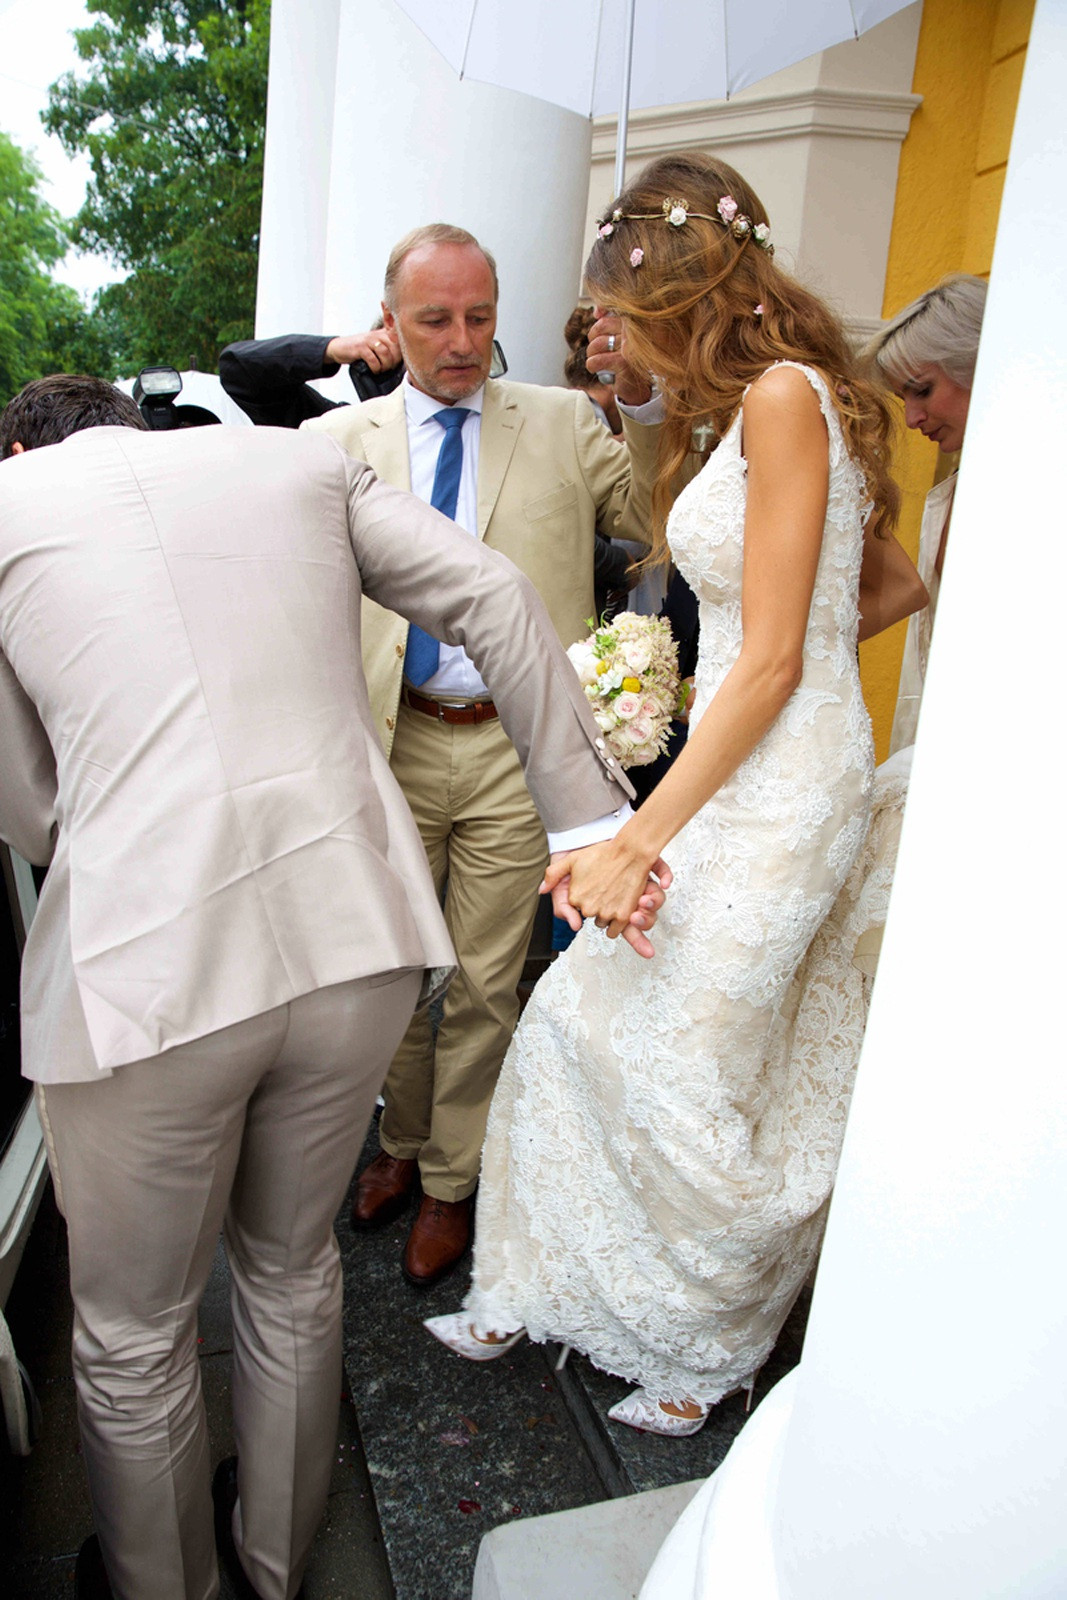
pixel 601 1552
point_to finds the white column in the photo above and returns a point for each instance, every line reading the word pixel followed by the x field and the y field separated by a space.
pixel 397 140
pixel 923 1454
pixel 300 99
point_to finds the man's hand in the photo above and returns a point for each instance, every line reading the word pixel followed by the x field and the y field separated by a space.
pixel 378 348
pixel 607 353
pixel 651 887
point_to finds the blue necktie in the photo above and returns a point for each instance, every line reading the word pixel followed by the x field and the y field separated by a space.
pixel 423 651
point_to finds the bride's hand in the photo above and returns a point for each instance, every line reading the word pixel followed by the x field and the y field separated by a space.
pixel 604 882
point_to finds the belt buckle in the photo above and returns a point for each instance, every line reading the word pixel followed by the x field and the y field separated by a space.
pixel 441 709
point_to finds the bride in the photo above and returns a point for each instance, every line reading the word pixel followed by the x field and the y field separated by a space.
pixel 663 1140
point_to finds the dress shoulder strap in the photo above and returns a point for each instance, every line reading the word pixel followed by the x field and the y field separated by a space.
pixel 841 463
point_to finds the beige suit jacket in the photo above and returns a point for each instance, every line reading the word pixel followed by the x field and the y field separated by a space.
pixel 550 476
pixel 184 719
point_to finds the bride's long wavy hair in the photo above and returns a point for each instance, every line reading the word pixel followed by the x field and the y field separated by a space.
pixel 689 294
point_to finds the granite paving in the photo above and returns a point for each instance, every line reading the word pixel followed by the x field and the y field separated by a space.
pixel 455 1448
pixel 44 1501
pixel 433 1451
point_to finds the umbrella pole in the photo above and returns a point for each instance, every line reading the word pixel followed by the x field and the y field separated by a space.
pixel 624 104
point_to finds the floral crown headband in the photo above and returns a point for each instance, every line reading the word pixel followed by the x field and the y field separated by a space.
pixel 677 213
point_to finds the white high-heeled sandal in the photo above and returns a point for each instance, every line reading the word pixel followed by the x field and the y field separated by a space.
pixel 640 1411
pixel 456 1331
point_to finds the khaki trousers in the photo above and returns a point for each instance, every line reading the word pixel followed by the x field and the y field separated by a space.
pixel 255 1128
pixel 485 842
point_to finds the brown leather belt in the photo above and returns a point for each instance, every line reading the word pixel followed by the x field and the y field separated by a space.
pixel 480 711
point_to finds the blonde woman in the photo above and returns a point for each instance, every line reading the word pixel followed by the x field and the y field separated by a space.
pixel 926 356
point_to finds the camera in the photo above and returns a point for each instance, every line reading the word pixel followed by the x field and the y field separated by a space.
pixel 155 391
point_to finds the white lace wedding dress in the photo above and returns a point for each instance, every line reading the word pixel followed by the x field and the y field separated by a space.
pixel 664 1137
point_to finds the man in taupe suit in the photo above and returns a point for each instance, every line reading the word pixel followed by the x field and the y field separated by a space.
pixel 236 921
pixel 540 477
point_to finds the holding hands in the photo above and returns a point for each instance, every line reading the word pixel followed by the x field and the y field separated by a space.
pixel 607 882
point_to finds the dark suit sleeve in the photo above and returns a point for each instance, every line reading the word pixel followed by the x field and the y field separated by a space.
pixel 611 563
pixel 269 378
pixel 682 613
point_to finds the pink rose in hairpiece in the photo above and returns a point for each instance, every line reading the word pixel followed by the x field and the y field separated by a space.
pixel 605 231
pixel 758 311
pixel 637 255
pixel 727 208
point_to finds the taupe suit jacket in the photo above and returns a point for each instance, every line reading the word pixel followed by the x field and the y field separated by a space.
pixel 549 477
pixel 184 718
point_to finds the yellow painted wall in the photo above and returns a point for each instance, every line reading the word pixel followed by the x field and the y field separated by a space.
pixel 968 70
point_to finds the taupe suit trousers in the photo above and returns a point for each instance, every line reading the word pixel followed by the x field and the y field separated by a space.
pixel 256 1129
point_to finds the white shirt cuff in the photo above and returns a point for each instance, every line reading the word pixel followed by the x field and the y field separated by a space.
pixel 652 412
pixel 594 832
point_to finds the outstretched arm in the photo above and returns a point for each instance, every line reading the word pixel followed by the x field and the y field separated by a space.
pixel 270 379
pixel 788 480
pixel 416 562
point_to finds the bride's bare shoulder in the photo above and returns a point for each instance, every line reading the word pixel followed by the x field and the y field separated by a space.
pixel 782 387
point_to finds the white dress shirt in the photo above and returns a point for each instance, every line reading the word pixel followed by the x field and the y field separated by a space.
pixel 456 676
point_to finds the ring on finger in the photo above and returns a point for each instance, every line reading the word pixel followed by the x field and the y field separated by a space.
pixel 611 342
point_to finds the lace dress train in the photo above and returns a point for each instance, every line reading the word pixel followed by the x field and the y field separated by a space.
pixel 663 1140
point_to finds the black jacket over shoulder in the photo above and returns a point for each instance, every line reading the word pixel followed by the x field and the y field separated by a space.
pixel 270 378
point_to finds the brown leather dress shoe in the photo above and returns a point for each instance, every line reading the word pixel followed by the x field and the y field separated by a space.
pixel 440 1236
pixel 382 1190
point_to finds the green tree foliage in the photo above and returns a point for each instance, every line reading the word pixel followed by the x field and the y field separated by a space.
pixel 44 327
pixel 170 108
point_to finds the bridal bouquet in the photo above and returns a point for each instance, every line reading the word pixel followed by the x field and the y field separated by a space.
pixel 629 671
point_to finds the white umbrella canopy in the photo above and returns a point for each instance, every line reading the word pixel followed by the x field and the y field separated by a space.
pixel 597 56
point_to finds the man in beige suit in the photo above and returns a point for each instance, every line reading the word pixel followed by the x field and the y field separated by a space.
pixel 236 921
pixel 540 477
